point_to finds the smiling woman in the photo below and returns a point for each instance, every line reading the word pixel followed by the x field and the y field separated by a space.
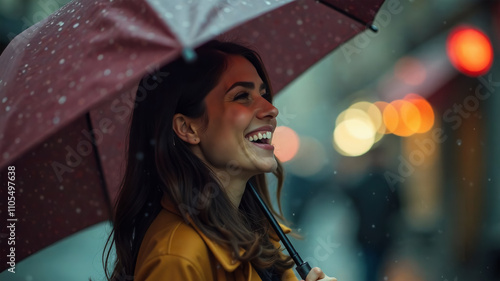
pixel 237 108
pixel 195 140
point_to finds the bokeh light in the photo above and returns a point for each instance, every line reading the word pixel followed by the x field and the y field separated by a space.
pixel 390 117
pixel 470 50
pixel 347 144
pixel 410 70
pixel 357 129
pixel 373 114
pixel 425 110
pixel 286 143
pixel 381 105
pixel 408 116
pixel 364 123
pixel 359 124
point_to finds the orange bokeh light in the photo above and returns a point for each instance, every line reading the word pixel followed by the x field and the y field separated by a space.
pixel 401 118
pixel 410 115
pixel 469 50
pixel 426 112
pixel 286 143
pixel 390 116
pixel 407 116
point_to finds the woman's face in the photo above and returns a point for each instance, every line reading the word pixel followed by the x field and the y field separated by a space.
pixel 241 122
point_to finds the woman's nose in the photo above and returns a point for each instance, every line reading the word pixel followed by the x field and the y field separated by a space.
pixel 266 109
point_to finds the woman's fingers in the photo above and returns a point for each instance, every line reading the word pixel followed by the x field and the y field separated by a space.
pixel 316 274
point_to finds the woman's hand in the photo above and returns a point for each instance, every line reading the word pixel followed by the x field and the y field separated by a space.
pixel 316 274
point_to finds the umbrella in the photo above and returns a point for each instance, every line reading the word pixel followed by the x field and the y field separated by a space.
pixel 68 84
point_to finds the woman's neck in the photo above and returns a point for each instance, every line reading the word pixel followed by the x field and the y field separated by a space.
pixel 233 185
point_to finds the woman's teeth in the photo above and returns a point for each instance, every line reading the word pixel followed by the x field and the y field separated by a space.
pixel 260 136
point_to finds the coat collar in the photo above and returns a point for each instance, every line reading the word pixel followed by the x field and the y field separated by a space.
pixel 223 255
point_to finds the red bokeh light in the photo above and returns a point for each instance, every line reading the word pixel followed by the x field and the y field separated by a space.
pixel 469 50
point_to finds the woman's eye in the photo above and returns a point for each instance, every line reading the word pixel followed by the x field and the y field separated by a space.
pixel 241 96
pixel 246 96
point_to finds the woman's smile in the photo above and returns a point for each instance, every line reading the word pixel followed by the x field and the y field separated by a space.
pixel 261 137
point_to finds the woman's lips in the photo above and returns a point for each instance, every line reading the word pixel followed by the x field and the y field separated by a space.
pixel 261 137
pixel 265 146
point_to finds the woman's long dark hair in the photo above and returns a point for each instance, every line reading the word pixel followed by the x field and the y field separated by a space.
pixel 160 164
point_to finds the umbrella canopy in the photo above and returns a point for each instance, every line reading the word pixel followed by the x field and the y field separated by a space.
pixel 68 86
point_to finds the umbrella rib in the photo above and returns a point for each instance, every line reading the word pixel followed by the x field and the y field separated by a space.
pixel 372 27
pixel 99 166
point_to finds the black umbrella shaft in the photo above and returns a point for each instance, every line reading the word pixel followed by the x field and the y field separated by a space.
pixel 100 170
pixel 303 268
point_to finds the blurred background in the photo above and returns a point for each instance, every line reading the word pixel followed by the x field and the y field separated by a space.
pixel 388 145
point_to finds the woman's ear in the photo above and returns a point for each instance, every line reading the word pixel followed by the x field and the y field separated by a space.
pixel 185 128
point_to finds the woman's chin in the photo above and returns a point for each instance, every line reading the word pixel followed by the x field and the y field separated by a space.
pixel 267 165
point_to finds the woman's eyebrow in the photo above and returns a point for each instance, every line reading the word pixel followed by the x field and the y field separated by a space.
pixel 249 85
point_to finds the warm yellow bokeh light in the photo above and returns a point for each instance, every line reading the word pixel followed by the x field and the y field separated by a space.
pixel 358 128
pixel 375 115
pixel 372 111
pixel 348 144
pixel 340 118
pixel 364 123
pixel 359 123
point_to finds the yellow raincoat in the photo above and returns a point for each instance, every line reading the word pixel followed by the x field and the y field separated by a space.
pixel 175 251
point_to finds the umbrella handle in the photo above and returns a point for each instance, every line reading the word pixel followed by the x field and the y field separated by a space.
pixel 302 267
